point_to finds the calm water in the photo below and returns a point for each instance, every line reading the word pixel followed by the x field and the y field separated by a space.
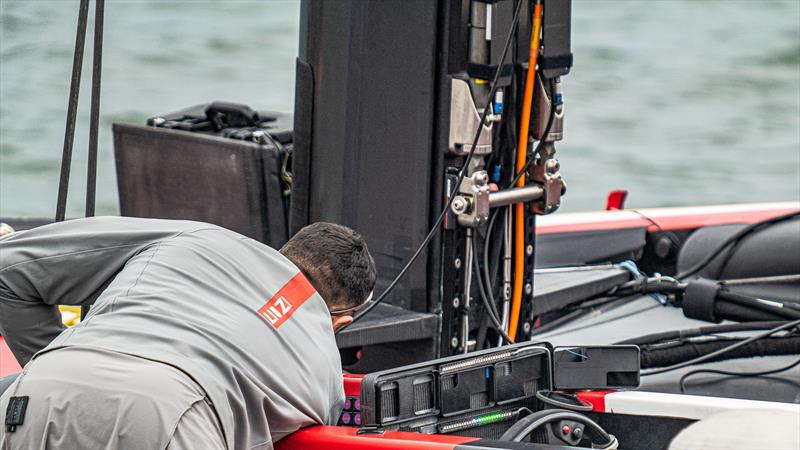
pixel 680 102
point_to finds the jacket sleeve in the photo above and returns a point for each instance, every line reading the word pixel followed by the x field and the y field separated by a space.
pixel 66 263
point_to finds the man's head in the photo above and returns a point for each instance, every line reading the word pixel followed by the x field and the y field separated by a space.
pixel 336 261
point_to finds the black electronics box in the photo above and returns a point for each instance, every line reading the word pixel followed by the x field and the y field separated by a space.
pixel 220 163
pixel 477 394
pixel 483 393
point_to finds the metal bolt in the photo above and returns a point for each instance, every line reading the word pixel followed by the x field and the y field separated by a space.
pixel 459 205
pixel 456 302
pixel 528 288
pixel 457 262
pixel 552 166
pixel 454 342
pixel 526 327
pixel 529 250
pixel 507 292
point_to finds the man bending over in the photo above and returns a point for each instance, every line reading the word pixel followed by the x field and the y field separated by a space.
pixel 198 337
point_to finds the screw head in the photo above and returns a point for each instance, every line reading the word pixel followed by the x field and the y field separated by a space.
pixel 454 342
pixel 526 327
pixel 456 302
pixel 528 288
pixel 529 250
pixel 457 263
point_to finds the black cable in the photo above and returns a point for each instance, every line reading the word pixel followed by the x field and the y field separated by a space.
pixel 486 241
pixel 94 123
pixel 491 309
pixel 670 235
pixel 755 303
pixel 547 128
pixel 488 278
pixel 722 351
pixel 734 374
pixel 733 239
pixel 700 331
pixel 72 111
pixel 461 174
pixel 525 426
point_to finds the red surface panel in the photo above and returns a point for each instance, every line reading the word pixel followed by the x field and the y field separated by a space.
pixel 346 438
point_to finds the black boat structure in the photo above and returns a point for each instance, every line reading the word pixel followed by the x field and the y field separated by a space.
pixel 431 127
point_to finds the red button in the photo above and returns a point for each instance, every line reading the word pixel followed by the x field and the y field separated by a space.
pixel 565 429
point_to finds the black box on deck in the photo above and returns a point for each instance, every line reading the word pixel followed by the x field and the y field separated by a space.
pixel 220 163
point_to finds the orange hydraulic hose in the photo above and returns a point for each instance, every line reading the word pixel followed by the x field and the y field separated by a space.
pixel 522 150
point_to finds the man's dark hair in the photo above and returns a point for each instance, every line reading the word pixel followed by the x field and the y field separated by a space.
pixel 336 260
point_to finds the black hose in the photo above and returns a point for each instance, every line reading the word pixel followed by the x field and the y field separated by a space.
pixel 689 351
pixel 72 111
pixel 752 346
pixel 754 303
pixel 700 331
pixel 97 66
pixel 732 311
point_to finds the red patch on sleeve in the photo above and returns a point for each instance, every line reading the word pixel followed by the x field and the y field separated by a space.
pixel 287 300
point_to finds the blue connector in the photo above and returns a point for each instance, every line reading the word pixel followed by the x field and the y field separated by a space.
pixel 496 174
pixel 498 102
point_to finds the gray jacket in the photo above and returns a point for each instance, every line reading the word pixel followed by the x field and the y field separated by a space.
pixel 230 312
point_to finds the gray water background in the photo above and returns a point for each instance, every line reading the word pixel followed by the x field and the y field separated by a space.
pixel 680 102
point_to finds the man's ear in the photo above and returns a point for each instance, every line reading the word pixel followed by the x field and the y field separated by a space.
pixel 340 321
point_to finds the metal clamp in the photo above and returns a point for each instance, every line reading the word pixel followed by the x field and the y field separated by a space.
pixel 471 205
pixel 546 174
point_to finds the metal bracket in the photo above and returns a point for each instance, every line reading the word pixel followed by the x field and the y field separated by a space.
pixel 471 205
pixel 465 120
pixel 546 174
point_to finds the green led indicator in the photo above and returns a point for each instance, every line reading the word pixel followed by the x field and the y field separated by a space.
pixel 490 418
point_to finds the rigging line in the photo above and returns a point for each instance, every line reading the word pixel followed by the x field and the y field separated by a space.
pixel 462 173
pixel 722 351
pixel 97 68
pixel 72 110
